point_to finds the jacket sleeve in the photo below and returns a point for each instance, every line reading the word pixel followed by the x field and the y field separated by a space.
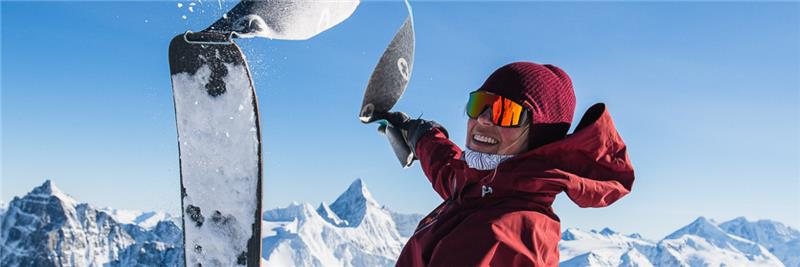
pixel 436 154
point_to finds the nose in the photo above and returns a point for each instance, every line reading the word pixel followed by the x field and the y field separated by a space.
pixel 486 117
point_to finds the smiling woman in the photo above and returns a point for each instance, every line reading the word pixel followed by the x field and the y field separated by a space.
pixel 498 192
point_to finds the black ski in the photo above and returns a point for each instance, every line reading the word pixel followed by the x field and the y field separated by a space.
pixel 219 143
pixel 387 84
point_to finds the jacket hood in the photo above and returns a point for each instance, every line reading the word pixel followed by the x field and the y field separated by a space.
pixel 591 164
pixel 595 150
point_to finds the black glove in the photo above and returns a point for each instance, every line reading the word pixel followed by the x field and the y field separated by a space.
pixel 412 129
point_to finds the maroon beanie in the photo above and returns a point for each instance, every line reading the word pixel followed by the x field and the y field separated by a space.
pixel 545 90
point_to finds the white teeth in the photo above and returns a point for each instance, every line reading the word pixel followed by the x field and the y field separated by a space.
pixel 484 139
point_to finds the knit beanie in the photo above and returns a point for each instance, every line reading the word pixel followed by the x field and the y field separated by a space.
pixel 545 90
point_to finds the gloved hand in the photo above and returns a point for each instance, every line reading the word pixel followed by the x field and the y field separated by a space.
pixel 412 129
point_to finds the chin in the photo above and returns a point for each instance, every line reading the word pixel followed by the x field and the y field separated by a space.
pixel 480 148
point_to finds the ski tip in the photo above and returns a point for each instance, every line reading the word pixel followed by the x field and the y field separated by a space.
pixel 366 113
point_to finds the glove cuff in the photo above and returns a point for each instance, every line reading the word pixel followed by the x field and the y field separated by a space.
pixel 418 128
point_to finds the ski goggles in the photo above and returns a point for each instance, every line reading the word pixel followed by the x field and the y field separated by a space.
pixel 505 112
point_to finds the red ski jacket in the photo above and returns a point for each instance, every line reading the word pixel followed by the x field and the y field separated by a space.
pixel 503 217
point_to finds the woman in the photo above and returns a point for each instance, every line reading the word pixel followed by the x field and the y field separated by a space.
pixel 498 192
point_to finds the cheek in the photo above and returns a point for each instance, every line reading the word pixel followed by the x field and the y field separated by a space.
pixel 509 134
pixel 470 126
pixel 515 136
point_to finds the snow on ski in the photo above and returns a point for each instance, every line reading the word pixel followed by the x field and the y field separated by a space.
pixel 284 20
pixel 220 153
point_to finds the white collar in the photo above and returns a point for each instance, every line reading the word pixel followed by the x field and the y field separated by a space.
pixel 483 161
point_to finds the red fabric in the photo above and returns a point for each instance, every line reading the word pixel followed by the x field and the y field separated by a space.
pixel 515 224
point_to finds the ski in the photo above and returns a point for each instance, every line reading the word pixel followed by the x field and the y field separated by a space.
pixel 219 138
pixel 219 145
pixel 387 84
pixel 283 20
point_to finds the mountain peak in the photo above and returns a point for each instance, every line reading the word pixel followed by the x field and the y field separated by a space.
pixel 351 231
pixel 740 219
pixel 48 228
pixel 761 231
pixel 357 190
pixel 358 187
pixel 570 234
pixel 705 228
pixel 351 206
pixel 702 223
pixel 702 219
pixel 607 231
pixel 49 188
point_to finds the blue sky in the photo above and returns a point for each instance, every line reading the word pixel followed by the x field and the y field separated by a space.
pixel 706 96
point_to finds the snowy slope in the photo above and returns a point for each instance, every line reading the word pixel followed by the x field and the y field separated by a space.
pixel 779 239
pixel 144 219
pixel 47 227
pixel 2 209
pixel 352 231
pixel 603 248
pixel 700 243
pixel 406 223
pixel 703 243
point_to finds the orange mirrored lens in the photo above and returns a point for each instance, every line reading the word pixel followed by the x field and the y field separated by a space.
pixel 511 113
pixel 505 112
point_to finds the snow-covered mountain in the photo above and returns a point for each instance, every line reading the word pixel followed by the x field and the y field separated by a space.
pixel 144 219
pixel 352 231
pixel 603 248
pixel 701 243
pixel 47 227
pixel 2 209
pixel 779 239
